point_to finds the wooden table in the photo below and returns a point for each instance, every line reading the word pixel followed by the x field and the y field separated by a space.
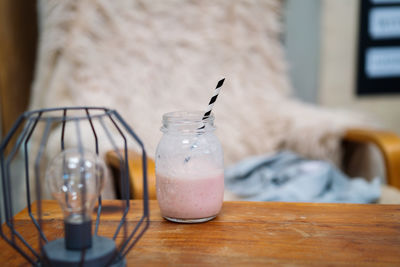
pixel 248 234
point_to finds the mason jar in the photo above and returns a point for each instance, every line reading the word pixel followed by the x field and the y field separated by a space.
pixel 189 168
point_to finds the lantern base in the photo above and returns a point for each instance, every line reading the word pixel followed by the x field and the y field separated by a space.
pixel 101 252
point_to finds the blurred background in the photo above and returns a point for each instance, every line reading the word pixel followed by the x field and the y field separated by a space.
pixel 341 54
pixel 321 38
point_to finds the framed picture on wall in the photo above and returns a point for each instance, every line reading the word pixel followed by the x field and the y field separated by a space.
pixel 378 69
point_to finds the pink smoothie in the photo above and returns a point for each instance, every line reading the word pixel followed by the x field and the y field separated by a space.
pixel 190 198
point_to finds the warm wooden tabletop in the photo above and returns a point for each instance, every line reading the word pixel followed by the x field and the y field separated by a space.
pixel 248 234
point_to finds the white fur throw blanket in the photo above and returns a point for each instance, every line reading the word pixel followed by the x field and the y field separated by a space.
pixel 145 58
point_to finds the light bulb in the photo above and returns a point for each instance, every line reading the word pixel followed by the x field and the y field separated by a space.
pixel 75 179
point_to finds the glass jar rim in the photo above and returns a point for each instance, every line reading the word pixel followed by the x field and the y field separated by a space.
pixel 191 119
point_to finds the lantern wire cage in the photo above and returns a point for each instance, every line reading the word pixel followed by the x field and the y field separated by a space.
pixel 108 121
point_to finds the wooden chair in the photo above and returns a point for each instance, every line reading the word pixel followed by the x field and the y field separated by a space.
pixel 388 144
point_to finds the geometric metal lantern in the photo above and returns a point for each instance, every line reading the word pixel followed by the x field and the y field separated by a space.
pixel 72 175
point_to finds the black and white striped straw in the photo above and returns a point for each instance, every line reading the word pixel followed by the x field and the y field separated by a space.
pixel 212 101
pixel 209 109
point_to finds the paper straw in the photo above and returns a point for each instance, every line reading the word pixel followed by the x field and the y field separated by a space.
pixel 213 99
pixel 209 108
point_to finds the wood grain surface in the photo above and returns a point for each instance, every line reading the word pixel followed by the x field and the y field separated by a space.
pixel 248 234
